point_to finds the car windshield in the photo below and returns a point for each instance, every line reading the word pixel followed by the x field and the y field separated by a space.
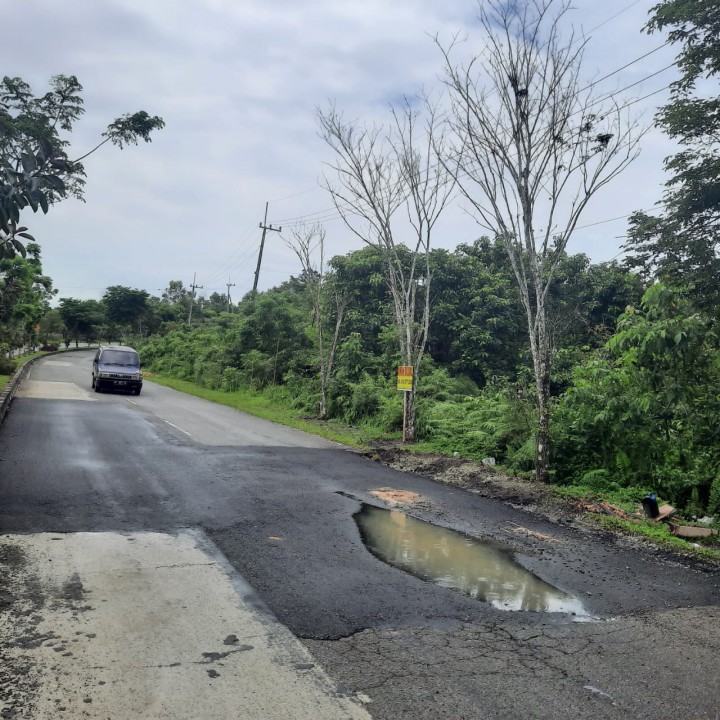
pixel 120 357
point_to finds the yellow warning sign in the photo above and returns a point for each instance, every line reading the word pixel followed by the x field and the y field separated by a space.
pixel 405 377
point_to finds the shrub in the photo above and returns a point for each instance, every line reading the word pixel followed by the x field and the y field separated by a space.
pixel 7 366
pixel 364 401
pixel 230 379
pixel 713 506
pixel 258 369
pixel 496 423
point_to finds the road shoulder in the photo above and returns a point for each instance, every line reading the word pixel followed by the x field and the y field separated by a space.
pixel 152 625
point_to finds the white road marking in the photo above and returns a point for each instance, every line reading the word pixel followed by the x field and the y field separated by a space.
pixel 131 401
pixel 153 625
pixel 178 428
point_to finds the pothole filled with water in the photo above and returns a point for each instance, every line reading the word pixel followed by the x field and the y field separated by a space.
pixel 481 569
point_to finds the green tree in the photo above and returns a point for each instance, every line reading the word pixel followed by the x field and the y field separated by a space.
pixel 360 275
pixel 477 323
pixel 25 294
pixel 51 326
pixel 274 324
pixel 175 301
pixel 36 169
pixel 680 245
pixel 82 318
pixel 126 306
pixel 217 303
pixel 646 412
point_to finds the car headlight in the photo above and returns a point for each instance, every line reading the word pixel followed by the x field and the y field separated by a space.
pixel 136 376
pixel 103 375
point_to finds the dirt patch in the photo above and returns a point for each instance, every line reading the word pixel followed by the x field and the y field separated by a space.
pixel 472 476
pixel 396 497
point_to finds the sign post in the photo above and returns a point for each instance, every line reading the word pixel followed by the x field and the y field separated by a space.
pixel 405 383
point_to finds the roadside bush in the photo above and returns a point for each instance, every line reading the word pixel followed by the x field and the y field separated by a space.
pixel 302 392
pixel 230 379
pixel 257 369
pixel 436 383
pixel 645 409
pixel 364 401
pixel 7 366
pixel 209 373
pixel 390 414
pixel 495 423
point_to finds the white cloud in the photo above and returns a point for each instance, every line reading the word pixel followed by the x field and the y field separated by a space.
pixel 238 84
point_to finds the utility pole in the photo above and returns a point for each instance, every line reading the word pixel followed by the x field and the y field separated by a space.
pixel 192 297
pixel 229 285
pixel 265 227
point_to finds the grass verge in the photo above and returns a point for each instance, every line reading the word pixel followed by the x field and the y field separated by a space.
pixel 255 403
pixel 657 533
pixel 15 363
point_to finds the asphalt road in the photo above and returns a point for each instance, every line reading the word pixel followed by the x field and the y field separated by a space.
pixel 278 504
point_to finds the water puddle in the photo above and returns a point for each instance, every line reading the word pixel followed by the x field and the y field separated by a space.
pixel 483 570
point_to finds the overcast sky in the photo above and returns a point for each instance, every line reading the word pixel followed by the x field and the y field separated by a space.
pixel 238 83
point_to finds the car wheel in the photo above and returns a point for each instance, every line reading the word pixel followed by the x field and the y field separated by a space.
pixel 93 382
pixel 137 391
pixel 97 387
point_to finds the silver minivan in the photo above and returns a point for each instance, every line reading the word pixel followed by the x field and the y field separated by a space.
pixel 117 367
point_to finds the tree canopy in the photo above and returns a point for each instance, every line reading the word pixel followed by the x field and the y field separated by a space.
pixel 680 244
pixel 36 165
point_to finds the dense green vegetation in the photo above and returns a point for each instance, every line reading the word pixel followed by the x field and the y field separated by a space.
pixel 634 348
pixel 637 372
pixel 25 295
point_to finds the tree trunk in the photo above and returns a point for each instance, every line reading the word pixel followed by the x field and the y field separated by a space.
pixel 323 401
pixel 542 362
pixel 542 441
pixel 409 415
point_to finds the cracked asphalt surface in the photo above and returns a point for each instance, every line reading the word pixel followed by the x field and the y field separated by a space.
pixel 279 506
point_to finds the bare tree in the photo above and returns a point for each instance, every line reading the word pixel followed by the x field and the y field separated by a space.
pixel 308 243
pixel 531 147
pixel 377 171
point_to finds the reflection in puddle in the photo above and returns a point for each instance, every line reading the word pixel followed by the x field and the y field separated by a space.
pixel 483 570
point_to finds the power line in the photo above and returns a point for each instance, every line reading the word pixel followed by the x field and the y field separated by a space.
pixel 215 275
pixel 617 14
pixel 311 217
pixel 627 65
pixel 330 214
pixel 334 213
